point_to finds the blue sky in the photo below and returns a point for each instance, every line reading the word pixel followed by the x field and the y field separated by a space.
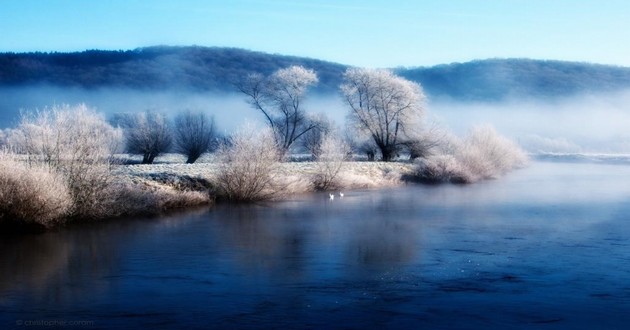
pixel 362 33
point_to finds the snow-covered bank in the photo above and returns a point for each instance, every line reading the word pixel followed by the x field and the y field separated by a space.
pixel 298 175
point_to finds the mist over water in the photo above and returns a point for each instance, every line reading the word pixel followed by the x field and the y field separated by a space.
pixel 582 124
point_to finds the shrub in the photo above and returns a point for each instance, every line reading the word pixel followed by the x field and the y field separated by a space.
pixel 333 152
pixel 501 154
pixel 248 166
pixel 194 134
pixel 424 142
pixel 77 144
pixel 442 168
pixel 152 198
pixel 66 136
pixel 483 155
pixel 32 194
pixel 147 134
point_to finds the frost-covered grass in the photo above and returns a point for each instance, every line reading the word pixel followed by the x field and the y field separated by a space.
pixel 295 177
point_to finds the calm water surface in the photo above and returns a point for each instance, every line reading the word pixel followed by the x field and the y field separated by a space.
pixel 546 247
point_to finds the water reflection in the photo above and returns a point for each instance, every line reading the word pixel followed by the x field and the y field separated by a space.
pixel 515 252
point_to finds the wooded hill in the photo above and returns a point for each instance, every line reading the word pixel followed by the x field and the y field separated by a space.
pixel 216 69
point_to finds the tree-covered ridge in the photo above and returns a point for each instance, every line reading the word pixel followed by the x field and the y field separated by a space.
pixel 159 67
pixel 217 69
pixel 497 79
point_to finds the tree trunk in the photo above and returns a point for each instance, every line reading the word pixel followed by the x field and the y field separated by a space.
pixel 388 153
pixel 148 158
pixel 370 156
pixel 191 159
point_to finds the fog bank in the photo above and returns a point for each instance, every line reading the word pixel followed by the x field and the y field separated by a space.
pixel 588 123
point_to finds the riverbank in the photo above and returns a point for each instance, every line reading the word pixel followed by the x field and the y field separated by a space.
pixel 296 177
pixel 35 197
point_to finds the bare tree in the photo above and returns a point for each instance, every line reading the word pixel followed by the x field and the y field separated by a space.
pixel 279 97
pixel 147 134
pixel 194 134
pixel 383 106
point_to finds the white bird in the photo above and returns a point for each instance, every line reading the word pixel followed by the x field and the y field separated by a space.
pixel 331 196
pixel 341 194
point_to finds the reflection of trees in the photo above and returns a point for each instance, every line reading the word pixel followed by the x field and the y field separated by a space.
pixel 32 261
pixel 381 242
pixel 264 238
pixel 283 239
pixel 70 259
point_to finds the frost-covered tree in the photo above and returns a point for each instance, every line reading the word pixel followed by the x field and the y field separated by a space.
pixel 383 106
pixel 280 98
pixel 194 134
pixel 146 133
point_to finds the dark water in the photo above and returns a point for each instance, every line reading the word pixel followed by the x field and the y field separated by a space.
pixel 546 247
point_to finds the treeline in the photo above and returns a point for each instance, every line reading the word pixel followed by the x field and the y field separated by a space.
pixel 216 69
pixel 498 79
pixel 159 67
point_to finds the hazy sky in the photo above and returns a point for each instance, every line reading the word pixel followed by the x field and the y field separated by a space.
pixel 369 33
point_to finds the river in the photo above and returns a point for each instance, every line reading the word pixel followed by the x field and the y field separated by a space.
pixel 545 247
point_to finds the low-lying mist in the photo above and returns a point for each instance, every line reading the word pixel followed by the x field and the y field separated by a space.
pixel 229 109
pixel 587 123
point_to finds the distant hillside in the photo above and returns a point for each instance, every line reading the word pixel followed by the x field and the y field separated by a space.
pixel 497 79
pixel 159 67
pixel 215 69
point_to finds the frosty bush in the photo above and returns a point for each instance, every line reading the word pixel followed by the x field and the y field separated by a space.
pixel 333 152
pixel 484 154
pixel 248 166
pixel 76 143
pixel 492 153
pixel 31 194
pixel 147 134
pixel 195 134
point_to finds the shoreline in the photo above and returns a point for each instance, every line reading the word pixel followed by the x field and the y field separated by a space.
pixel 170 185
pixel 297 176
